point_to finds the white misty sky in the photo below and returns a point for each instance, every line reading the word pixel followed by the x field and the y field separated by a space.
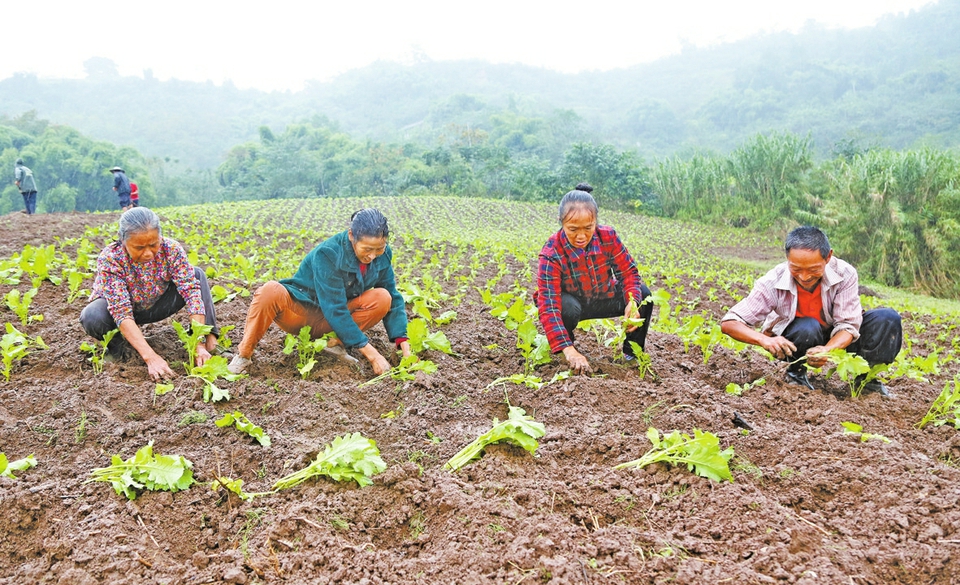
pixel 279 44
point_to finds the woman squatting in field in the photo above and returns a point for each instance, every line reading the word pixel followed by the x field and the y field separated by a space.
pixel 145 278
pixel 585 272
pixel 345 285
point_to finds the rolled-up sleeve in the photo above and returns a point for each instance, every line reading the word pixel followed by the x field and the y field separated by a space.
pixel 753 309
pixel 847 310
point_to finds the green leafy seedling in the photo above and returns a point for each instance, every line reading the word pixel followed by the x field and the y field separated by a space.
pixel 191 340
pixel 519 429
pixel 146 471
pixel 850 428
pixel 235 487
pixel 738 390
pixel 21 305
pixel 243 424
pixel 8 467
pixel 644 363
pixel 223 340
pixel 75 280
pixel 406 370
pixel 159 390
pixel 445 318
pixel 98 350
pixel 700 453
pixel 14 346
pixel 306 348
pixel 350 457
pixel 945 409
pixel 421 339
pixel 212 370
pixel 532 344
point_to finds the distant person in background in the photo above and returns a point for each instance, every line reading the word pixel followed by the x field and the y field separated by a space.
pixel 585 272
pixel 121 184
pixel 145 278
pixel 134 195
pixel 23 179
pixel 345 285
pixel 809 305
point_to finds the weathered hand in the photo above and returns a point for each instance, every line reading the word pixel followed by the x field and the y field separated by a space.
pixel 577 361
pixel 631 313
pixel 814 360
pixel 202 355
pixel 158 369
pixel 380 364
pixel 779 346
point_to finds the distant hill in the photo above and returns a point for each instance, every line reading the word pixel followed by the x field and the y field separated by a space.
pixel 895 84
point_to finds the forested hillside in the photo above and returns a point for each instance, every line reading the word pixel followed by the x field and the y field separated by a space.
pixel 896 84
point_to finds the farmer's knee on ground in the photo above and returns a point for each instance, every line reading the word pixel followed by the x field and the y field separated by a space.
pixel 96 320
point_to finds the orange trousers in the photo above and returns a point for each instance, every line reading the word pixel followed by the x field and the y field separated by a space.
pixel 273 303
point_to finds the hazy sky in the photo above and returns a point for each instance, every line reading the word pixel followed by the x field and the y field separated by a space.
pixel 280 43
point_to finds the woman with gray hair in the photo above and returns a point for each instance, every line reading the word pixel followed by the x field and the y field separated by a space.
pixel 145 278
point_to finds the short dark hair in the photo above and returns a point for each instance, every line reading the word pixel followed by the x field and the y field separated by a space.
pixel 807 237
pixel 577 199
pixel 369 223
pixel 584 187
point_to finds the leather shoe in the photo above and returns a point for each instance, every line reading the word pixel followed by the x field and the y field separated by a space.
pixel 799 378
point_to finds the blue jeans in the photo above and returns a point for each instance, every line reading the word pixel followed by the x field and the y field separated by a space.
pixel 881 335
pixel 30 202
pixel 97 321
pixel 124 199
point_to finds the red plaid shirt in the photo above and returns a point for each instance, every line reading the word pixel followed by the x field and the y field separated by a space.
pixel 591 273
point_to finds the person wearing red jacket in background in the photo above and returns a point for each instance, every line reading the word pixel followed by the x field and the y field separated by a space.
pixel 585 272
pixel 134 195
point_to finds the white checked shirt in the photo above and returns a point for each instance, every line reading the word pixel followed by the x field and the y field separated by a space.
pixel 773 300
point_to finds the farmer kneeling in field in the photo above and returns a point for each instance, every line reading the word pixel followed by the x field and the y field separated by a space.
pixel 585 272
pixel 345 285
pixel 809 305
pixel 145 278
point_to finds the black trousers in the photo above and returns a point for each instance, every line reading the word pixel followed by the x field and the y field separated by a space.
pixel 96 319
pixel 881 336
pixel 574 309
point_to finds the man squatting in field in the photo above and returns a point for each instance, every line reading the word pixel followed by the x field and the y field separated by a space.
pixel 145 278
pixel 345 285
pixel 585 272
pixel 809 305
